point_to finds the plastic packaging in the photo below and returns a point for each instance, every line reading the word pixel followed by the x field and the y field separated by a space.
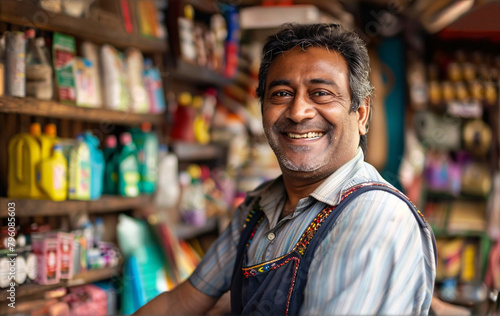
pixel 47 140
pixel 168 191
pixel 39 82
pixel 47 254
pixel 111 153
pixel 192 205
pixel 99 230
pixel 114 80
pixel 15 64
pixel 146 144
pixel 52 175
pixel 135 70
pixel 154 87
pixel 90 51
pixel 64 62
pixel 182 128
pixel 96 166
pixel 85 82
pixel 128 169
pixel 24 157
pixel 186 34
pixel 79 171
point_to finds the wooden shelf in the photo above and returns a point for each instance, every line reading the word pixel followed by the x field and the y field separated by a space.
pixel 184 231
pixel 105 204
pixel 27 13
pixel 53 109
pixel 83 278
pixel 191 151
pixel 186 71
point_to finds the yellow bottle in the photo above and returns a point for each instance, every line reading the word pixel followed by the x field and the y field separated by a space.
pixel 52 175
pixel 47 140
pixel 24 157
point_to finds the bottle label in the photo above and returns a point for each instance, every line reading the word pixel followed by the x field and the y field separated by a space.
pixel 59 176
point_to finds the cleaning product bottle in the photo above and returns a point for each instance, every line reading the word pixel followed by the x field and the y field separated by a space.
pixel 96 165
pixel 182 128
pixel 52 175
pixel 153 84
pixel 147 156
pixel 168 191
pixel 110 181
pixel 24 157
pixel 79 171
pixel 128 169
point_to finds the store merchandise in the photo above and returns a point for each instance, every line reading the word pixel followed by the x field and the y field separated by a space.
pixel 114 79
pixel 80 168
pixel 47 251
pixel 232 41
pixel 186 33
pixel 15 64
pixel 52 175
pixel 90 52
pixel 192 206
pixel 146 144
pixel 168 189
pixel 134 63
pixel 47 140
pixel 183 128
pixel 63 53
pixel 24 156
pixel 154 87
pixel 86 78
pixel 39 82
pixel 111 159
pixel 128 167
pixel 96 165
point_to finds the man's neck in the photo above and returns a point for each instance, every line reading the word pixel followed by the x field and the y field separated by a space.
pixel 296 190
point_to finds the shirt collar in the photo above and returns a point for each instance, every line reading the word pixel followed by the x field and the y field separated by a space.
pixel 329 192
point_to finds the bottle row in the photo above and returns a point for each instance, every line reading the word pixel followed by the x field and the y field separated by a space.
pixel 103 77
pixel 43 166
pixel 46 256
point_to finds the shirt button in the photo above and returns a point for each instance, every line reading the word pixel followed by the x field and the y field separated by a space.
pixel 271 236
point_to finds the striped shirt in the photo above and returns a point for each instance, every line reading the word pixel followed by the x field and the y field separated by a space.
pixel 375 260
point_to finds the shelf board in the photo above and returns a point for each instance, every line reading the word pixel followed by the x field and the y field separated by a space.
pixel 87 277
pixel 186 71
pixel 184 231
pixel 53 109
pixel 106 204
pixel 192 151
pixel 27 13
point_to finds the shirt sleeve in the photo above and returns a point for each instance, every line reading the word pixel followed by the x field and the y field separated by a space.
pixel 213 275
pixel 374 261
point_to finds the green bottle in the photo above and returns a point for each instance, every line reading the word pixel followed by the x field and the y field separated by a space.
pixel 128 168
pixel 110 185
pixel 147 156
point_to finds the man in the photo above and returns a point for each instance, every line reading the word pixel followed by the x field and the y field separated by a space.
pixel 321 239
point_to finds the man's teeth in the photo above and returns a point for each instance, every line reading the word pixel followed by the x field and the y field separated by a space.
pixel 307 135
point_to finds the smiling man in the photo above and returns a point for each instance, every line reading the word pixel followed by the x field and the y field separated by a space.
pixel 329 236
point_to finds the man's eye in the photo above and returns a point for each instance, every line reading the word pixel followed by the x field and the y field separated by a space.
pixel 282 94
pixel 320 94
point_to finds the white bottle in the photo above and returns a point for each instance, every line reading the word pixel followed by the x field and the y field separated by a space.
pixel 168 190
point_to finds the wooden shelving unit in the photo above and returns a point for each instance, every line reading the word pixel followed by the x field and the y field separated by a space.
pixel 198 75
pixel 106 204
pixel 28 13
pixel 53 109
pixel 87 277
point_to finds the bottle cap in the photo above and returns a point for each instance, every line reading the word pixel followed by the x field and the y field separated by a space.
pixel 194 171
pixel 146 127
pixel 110 141
pixel 50 129
pixel 197 102
pixel 35 129
pixel 189 11
pixel 184 99
pixel 125 138
pixel 30 33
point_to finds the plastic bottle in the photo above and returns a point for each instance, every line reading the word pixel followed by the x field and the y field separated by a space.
pixel 15 64
pixel 193 200
pixel 168 190
pixel 153 84
pixel 183 119
pixel 79 171
pixel 146 144
pixel 110 181
pixel 47 140
pixel 24 157
pixel 38 68
pixel 99 230
pixel 96 166
pixel 128 169
pixel 52 175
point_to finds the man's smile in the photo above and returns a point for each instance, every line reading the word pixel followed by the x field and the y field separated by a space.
pixel 309 135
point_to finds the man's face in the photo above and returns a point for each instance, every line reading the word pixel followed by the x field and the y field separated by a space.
pixel 306 112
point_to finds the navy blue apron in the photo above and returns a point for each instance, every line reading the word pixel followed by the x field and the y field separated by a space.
pixel 276 287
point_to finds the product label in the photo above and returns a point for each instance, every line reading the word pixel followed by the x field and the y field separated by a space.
pixel 59 177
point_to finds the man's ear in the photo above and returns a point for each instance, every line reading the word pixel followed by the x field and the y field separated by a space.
pixel 364 116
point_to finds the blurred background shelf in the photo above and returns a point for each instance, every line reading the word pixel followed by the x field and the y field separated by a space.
pixel 53 109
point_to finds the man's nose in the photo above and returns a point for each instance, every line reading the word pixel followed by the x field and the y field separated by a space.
pixel 300 108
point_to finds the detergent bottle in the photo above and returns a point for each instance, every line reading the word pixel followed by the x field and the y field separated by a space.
pixel 79 171
pixel 96 165
pixel 128 169
pixel 147 156
pixel 110 185
pixel 24 157
pixel 52 175
pixel 168 191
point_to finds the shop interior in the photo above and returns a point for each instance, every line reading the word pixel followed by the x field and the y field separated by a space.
pixel 130 131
